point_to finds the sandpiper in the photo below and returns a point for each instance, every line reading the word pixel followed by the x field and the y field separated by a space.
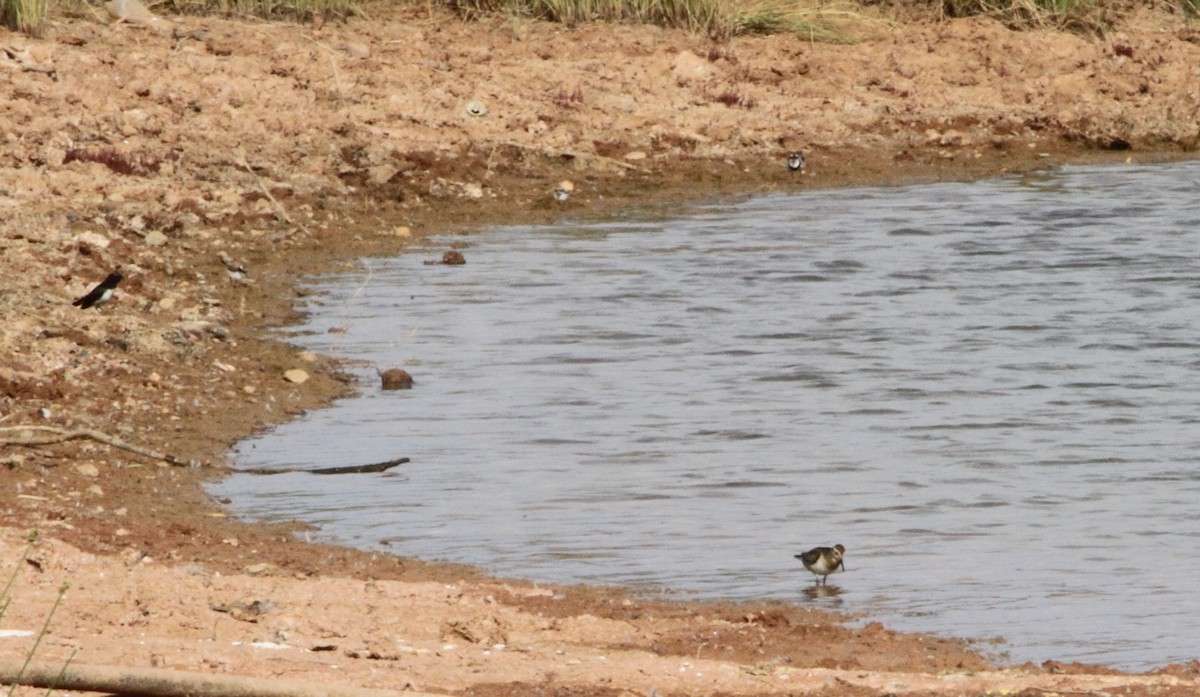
pixel 562 192
pixel 235 270
pixel 101 294
pixel 796 162
pixel 823 561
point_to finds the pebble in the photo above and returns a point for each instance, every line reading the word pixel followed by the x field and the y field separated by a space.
pixel 296 375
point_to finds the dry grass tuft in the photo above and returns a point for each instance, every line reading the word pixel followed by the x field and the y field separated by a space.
pixel 23 15
pixel 299 10
pixel 1082 16
pixel 720 19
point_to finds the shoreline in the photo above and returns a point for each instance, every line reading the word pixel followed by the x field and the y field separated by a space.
pixel 184 362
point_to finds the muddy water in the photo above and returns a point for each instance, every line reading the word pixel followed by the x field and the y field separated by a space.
pixel 988 392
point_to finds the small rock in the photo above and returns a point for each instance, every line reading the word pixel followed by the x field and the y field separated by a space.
pixel 247 610
pixel 92 239
pixel 263 569
pixel 219 46
pixel 688 67
pixel 88 470
pixel 635 155
pixel 155 238
pixel 355 49
pixel 450 258
pixel 381 174
pixel 476 109
pixel 296 375
pixel 396 379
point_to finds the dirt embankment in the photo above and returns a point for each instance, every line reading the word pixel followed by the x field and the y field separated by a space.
pixel 170 155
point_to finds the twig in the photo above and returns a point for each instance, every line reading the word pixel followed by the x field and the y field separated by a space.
pixel 266 192
pixel 156 682
pixel 337 76
pixel 27 435
pixel 22 57
pixel 575 154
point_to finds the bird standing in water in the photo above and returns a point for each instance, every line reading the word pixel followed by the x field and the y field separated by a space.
pixel 823 561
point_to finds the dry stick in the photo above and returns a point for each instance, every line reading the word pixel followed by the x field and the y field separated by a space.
pixel 27 64
pixel 573 154
pixel 156 682
pixel 266 192
pixel 337 75
pixel 26 436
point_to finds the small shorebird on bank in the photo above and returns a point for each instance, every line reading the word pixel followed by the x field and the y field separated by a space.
pixel 101 294
pixel 562 192
pixel 823 561
pixel 796 162
pixel 235 270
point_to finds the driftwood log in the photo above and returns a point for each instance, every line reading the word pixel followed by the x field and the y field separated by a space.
pixel 157 682
pixel 348 469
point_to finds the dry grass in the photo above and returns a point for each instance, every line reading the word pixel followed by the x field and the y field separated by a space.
pixel 720 19
pixel 1083 16
pixel 299 10
pixel 23 15
pixel 815 20
pixel 1080 16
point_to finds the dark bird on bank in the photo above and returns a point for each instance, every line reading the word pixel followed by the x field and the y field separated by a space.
pixel 101 294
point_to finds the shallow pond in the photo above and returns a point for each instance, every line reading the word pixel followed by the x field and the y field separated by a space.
pixel 988 392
